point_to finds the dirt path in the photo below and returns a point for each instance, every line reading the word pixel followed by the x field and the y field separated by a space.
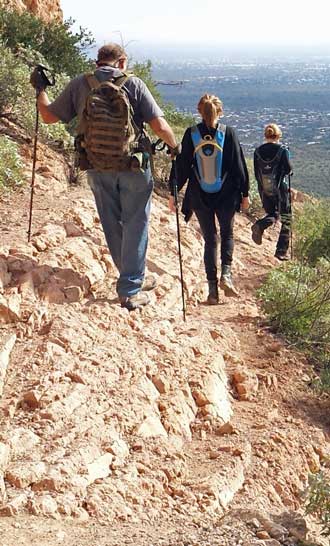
pixel 89 386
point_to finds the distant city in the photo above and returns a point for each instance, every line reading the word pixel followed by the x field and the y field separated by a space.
pixel 295 94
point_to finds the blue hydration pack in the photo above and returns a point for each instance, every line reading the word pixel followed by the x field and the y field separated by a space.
pixel 208 152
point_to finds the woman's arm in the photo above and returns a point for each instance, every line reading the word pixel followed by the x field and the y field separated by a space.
pixel 286 165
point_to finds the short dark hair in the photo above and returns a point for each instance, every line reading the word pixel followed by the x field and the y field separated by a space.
pixel 110 53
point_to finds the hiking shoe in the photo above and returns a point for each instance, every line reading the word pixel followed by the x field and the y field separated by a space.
pixel 149 283
pixel 283 256
pixel 256 234
pixel 226 283
pixel 135 302
pixel 213 296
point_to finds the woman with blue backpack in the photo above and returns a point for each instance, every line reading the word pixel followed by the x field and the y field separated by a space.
pixel 271 166
pixel 212 162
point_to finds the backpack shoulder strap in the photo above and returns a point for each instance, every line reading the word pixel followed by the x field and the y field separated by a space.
pixel 220 135
pixel 92 80
pixel 261 160
pixel 94 83
pixel 196 136
pixel 280 151
pixel 122 79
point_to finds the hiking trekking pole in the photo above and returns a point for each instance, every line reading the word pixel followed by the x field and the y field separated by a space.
pixel 291 217
pixel 40 81
pixel 175 188
pixel 36 131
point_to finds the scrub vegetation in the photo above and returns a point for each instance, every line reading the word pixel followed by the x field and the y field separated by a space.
pixel 296 297
pixel 11 165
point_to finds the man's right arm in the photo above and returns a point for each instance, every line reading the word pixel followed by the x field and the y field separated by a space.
pixel 162 129
pixel 63 108
pixel 46 114
pixel 152 114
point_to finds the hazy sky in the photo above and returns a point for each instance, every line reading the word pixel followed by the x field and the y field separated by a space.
pixel 204 21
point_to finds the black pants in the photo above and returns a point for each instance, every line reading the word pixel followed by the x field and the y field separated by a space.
pixel 207 221
pixel 278 208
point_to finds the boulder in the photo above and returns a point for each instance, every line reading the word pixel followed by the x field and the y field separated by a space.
pixel 10 307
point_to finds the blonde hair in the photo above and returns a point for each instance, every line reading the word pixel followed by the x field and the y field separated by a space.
pixel 273 132
pixel 210 108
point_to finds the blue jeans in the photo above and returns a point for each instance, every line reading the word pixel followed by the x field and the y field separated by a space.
pixel 123 202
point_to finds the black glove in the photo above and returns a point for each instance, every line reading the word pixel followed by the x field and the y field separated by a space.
pixel 39 80
pixel 174 151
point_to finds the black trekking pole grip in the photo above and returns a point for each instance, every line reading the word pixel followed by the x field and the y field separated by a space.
pixel 33 166
pixel 175 188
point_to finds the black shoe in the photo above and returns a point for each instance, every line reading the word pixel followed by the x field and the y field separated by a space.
pixel 256 234
pixel 135 302
pixel 226 283
pixel 283 256
pixel 213 296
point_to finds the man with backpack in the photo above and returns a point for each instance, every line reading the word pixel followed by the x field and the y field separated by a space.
pixel 112 107
pixel 271 165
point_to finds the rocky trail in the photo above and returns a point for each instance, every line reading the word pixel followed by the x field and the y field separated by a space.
pixel 137 428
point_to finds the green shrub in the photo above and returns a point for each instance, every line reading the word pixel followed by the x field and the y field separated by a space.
pixel 64 50
pixel 18 98
pixel 143 71
pixel 11 165
pixel 297 301
pixel 312 232
pixel 296 297
pixel 318 503
pixel 13 78
pixel 25 111
pixel 179 121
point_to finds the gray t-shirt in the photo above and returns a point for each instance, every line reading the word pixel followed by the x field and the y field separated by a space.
pixel 71 102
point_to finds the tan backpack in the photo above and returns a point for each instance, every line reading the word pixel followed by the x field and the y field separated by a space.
pixel 108 132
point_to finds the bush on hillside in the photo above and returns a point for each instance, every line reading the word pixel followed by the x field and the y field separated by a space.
pixel 143 71
pixel 297 301
pixel 318 503
pixel 11 165
pixel 25 112
pixel 296 297
pixel 179 121
pixel 13 78
pixel 312 230
pixel 64 50
pixel 17 97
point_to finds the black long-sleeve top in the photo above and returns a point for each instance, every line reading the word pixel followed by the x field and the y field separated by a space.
pixel 234 173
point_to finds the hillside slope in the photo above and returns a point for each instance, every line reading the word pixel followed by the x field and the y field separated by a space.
pixel 123 428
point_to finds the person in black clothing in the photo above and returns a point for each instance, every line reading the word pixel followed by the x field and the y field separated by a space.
pixel 273 189
pixel 221 204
